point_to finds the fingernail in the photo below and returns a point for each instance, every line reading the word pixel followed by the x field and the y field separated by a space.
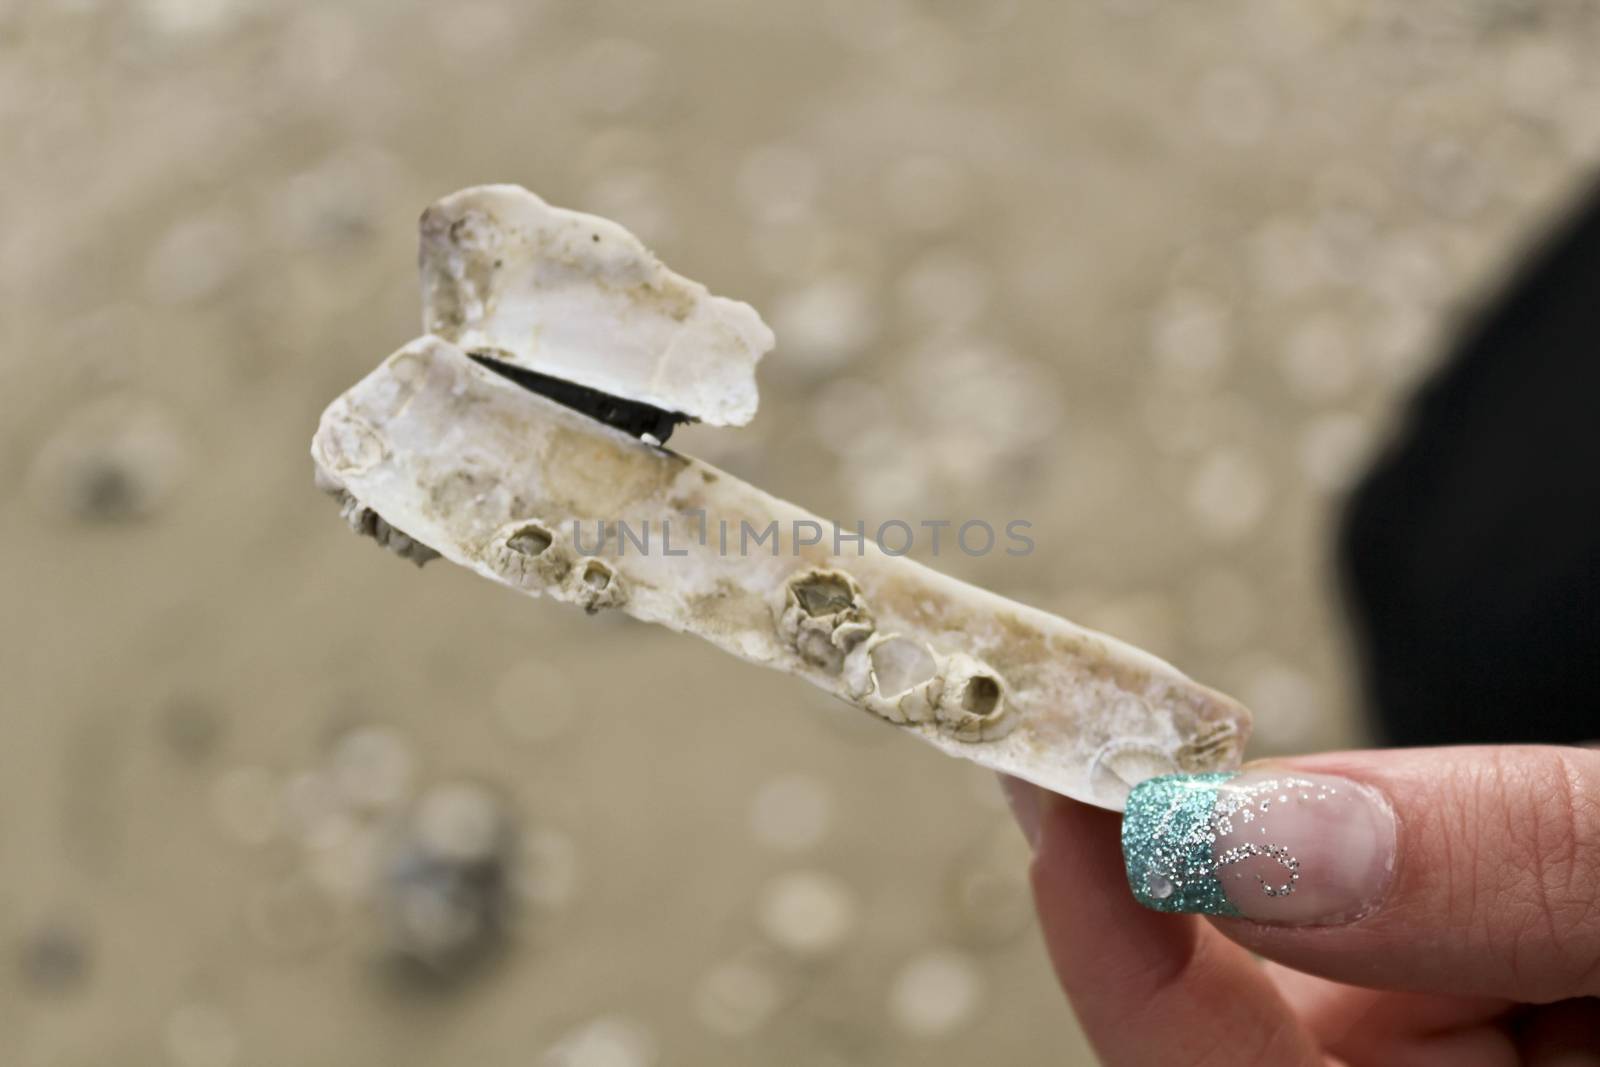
pixel 1268 845
pixel 1023 798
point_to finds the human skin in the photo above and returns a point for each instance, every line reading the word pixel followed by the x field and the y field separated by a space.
pixel 1480 944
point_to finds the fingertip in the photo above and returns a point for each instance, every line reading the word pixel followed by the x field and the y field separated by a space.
pixel 1092 924
pixel 1147 987
pixel 1446 849
pixel 1078 839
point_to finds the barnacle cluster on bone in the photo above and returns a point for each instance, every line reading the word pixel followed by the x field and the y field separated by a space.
pixel 900 678
pixel 535 557
pixel 456 445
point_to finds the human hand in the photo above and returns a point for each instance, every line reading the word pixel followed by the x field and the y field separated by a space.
pixel 1414 907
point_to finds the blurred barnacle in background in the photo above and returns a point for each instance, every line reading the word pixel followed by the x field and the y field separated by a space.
pixel 55 959
pixel 444 871
pixel 808 913
pixel 115 459
pixel 446 896
pixel 607 1041
pixel 936 992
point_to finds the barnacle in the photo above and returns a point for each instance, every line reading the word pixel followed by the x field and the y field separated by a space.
pixel 824 617
pixel 526 423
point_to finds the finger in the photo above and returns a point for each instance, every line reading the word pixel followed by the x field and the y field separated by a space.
pixel 1469 871
pixel 1362 1026
pixel 1343 1016
pixel 1146 988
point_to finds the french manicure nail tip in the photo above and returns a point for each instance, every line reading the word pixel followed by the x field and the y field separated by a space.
pixel 1165 831
pixel 1264 845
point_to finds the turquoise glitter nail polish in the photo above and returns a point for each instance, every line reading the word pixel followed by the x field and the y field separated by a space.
pixel 1167 840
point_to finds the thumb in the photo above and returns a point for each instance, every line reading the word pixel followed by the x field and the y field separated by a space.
pixel 1455 870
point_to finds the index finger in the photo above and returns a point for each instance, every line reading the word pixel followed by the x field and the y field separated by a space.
pixel 1469 871
pixel 1146 988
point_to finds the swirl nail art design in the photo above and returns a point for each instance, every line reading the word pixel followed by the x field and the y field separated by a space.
pixel 1233 845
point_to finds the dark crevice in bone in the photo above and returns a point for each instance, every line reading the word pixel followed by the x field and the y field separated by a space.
pixel 632 417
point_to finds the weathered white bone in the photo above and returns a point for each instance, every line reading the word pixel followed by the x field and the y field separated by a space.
pixel 517 487
pixel 580 298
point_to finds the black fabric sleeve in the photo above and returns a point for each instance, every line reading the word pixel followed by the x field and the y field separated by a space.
pixel 1470 553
